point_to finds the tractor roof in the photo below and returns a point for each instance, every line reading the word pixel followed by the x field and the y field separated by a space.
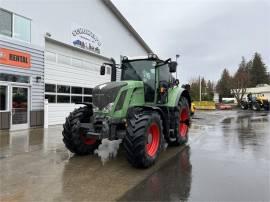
pixel 149 57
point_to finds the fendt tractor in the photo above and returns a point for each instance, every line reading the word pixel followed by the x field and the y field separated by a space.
pixel 145 109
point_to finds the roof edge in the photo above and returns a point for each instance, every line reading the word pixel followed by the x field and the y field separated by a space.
pixel 119 15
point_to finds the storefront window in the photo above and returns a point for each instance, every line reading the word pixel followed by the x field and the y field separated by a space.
pixel 5 23
pixel 3 98
pixel 14 78
pixel 22 28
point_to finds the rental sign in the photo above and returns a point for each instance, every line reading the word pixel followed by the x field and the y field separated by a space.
pixel 15 58
pixel 85 39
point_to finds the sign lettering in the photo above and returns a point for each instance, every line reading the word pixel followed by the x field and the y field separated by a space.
pixel 15 58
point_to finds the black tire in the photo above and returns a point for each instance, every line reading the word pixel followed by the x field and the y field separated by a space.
pixel 73 138
pixel 266 107
pixel 243 105
pixel 256 106
pixel 177 138
pixel 136 142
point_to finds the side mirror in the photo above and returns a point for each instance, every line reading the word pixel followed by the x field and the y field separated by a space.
pixel 172 67
pixel 102 70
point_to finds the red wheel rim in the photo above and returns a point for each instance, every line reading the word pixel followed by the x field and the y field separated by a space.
pixel 153 139
pixel 183 127
pixel 87 141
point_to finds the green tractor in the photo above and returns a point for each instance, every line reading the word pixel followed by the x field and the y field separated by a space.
pixel 145 109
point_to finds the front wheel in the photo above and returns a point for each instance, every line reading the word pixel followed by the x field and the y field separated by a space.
pixel 256 106
pixel 243 105
pixel 182 121
pixel 143 141
pixel 75 139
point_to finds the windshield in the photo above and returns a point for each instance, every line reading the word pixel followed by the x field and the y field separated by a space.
pixel 141 70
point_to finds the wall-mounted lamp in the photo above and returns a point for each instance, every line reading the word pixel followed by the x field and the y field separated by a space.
pixel 38 79
pixel 47 34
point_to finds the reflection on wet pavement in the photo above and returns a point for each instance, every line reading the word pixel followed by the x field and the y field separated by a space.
pixel 229 161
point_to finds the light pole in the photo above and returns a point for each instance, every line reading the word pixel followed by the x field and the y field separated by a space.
pixel 176 57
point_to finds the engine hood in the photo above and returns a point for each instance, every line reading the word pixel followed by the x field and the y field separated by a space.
pixel 106 93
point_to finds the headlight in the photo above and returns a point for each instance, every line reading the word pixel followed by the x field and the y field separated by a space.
pixel 108 108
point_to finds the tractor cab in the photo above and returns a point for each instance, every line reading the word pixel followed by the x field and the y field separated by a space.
pixel 156 75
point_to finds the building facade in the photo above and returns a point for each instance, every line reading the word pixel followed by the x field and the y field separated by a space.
pixel 53 50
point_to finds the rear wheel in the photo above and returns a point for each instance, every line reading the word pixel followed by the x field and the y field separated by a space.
pixel 75 139
pixel 144 138
pixel 182 121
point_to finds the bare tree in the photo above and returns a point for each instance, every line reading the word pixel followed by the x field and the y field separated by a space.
pixel 240 81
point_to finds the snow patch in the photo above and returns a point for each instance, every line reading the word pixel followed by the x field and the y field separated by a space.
pixel 107 149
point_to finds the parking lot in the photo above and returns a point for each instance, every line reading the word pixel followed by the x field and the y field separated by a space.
pixel 227 159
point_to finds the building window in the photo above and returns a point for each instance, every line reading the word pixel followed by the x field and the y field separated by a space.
pixel 14 78
pixel 51 98
pixel 87 99
pixel 15 26
pixel 76 99
pixel 88 91
pixel 3 98
pixel 55 93
pixel 51 88
pixel 76 90
pixel 5 23
pixel 63 89
pixel 63 99
pixel 22 28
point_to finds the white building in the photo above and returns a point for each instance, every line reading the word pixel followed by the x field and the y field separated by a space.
pixel 260 89
pixel 58 47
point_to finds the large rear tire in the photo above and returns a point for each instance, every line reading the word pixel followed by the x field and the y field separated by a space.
pixel 144 139
pixel 74 139
pixel 182 121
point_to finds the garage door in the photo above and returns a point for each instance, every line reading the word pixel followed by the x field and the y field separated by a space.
pixel 70 76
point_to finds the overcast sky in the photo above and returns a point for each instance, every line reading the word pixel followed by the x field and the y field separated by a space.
pixel 210 35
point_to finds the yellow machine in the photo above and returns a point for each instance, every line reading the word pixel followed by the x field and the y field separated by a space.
pixel 192 109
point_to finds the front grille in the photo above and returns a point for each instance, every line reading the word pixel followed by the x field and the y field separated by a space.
pixel 106 93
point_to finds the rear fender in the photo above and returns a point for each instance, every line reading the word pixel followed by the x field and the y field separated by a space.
pixel 175 94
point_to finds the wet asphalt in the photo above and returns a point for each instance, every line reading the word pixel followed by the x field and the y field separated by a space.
pixel 227 159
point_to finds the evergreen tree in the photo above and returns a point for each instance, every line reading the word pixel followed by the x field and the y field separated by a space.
pixel 258 73
pixel 224 85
